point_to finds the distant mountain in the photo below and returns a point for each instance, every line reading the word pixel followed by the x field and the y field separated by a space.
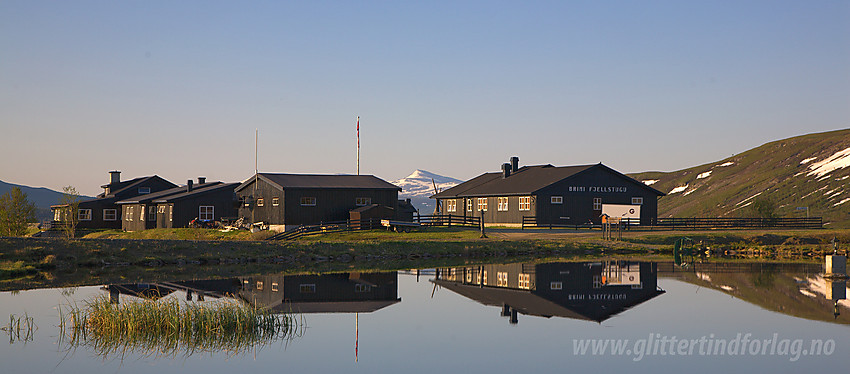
pixel 804 172
pixel 42 197
pixel 418 187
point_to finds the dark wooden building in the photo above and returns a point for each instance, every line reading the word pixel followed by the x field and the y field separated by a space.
pixel 207 203
pixel 284 201
pixel 103 212
pixel 568 195
pixel 176 207
pixel 591 291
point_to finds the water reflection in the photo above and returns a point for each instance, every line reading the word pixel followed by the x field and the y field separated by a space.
pixel 599 290
pixel 796 289
pixel 593 291
pixel 353 292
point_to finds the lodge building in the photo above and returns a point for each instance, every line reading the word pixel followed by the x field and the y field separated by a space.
pixel 103 212
pixel 284 201
pixel 565 195
pixel 176 207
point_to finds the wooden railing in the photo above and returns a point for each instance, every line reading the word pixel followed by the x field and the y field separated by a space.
pixel 675 223
pixel 698 223
pixel 446 220
pixel 370 224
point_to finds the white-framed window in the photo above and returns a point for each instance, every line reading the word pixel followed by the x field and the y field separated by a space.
pixel 597 203
pixel 556 286
pixel 468 275
pixel 170 213
pixel 451 205
pixel 485 276
pixel 482 204
pixel 524 281
pixel 128 214
pixel 502 279
pixel 259 285
pixel 84 214
pixel 525 203
pixel 637 201
pixel 261 202
pixel 557 200
pixel 307 288
pixel 152 213
pixel 638 286
pixel 57 214
pixel 161 209
pixel 141 213
pixel 597 281
pixel 308 201
pixel 274 287
pixel 275 201
pixel 469 207
pixel 144 190
pixel 362 201
pixel 362 288
pixel 206 213
pixel 110 214
pixel 503 204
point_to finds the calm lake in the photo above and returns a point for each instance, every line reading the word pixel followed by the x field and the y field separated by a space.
pixel 608 315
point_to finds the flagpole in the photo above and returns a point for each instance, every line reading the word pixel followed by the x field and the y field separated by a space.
pixel 358 145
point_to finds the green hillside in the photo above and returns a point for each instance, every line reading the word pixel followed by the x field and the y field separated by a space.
pixel 806 171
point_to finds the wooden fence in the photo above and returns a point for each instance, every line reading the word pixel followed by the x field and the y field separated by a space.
pixel 697 223
pixel 370 224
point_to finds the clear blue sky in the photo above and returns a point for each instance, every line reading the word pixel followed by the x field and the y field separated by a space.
pixel 177 88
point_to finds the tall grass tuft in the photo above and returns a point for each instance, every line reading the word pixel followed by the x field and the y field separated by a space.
pixel 167 327
pixel 20 328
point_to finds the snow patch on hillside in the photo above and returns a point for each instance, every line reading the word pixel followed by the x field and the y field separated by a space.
pixel 842 178
pixel 810 193
pixel 832 193
pixel 678 189
pixel 725 164
pixel 748 199
pixel 650 182
pixel 841 202
pixel 838 160
pixel 808 160
pixel 808 293
pixel 704 175
pixel 688 192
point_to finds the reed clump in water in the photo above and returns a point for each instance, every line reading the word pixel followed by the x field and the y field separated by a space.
pixel 167 327
pixel 20 328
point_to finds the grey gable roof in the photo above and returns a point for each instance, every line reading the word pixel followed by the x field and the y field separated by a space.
pixel 527 180
pixel 202 189
pixel 284 181
pixel 145 198
pixel 133 183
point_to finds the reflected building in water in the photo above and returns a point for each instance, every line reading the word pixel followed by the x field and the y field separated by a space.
pixel 592 291
pixel 326 293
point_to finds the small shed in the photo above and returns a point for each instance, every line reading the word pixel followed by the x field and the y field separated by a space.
pixel 405 211
pixel 374 212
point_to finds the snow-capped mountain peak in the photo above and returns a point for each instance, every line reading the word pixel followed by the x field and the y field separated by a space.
pixel 418 187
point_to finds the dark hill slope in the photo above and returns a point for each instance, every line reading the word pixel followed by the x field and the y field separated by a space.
pixel 805 171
